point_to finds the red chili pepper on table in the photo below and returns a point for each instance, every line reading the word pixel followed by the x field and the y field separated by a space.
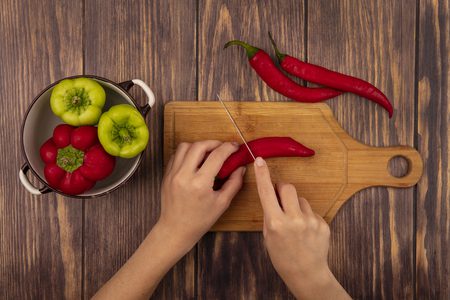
pixel 326 77
pixel 262 63
pixel 264 147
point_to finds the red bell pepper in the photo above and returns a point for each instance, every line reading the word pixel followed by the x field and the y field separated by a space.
pixel 75 159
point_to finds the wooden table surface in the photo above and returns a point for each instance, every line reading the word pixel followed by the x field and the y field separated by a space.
pixel 386 243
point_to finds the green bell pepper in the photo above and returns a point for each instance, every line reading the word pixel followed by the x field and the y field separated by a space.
pixel 78 101
pixel 122 131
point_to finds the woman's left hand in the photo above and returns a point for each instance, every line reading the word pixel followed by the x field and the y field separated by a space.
pixel 189 205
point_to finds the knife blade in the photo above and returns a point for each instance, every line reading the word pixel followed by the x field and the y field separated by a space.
pixel 237 127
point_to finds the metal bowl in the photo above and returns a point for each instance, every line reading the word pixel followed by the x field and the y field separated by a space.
pixel 38 125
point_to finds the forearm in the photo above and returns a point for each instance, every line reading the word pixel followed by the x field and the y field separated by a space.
pixel 323 286
pixel 140 275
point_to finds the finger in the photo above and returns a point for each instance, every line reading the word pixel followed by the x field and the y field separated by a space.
pixel 323 225
pixel 216 158
pixel 305 207
pixel 289 199
pixel 266 192
pixel 197 153
pixel 169 165
pixel 321 219
pixel 179 156
pixel 232 186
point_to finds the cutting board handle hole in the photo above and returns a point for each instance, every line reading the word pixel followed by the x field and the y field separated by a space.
pixel 399 166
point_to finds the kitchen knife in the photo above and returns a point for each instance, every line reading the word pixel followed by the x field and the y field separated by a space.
pixel 236 126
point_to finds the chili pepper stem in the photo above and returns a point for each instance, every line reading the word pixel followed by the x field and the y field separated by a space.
pixel 251 51
pixel 279 55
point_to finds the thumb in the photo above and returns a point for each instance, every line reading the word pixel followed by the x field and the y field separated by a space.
pixel 232 185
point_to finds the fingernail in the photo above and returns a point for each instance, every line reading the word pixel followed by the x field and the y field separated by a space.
pixel 243 171
pixel 235 144
pixel 259 162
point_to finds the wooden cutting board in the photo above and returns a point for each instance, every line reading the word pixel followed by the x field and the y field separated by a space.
pixel 341 166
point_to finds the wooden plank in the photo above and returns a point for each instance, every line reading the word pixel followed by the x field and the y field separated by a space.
pixel 433 197
pixel 40 236
pixel 236 265
pixel 372 236
pixel 153 41
pixel 340 167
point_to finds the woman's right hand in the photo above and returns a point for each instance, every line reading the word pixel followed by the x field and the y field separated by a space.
pixel 296 239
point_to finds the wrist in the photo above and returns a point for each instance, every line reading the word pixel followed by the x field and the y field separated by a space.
pixel 314 285
pixel 173 239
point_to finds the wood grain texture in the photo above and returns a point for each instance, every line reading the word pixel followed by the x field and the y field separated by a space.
pixel 340 167
pixel 236 265
pixel 372 236
pixel 40 237
pixel 433 197
pixel 54 248
pixel 225 71
pixel 153 41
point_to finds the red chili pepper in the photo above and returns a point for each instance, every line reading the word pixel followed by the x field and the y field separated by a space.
pixel 326 77
pixel 263 147
pixel 262 63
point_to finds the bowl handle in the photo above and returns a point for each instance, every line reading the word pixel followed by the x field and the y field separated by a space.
pixel 27 184
pixel 126 85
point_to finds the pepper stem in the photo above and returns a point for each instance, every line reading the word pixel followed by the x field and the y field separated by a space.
pixel 76 100
pixel 125 135
pixel 251 51
pixel 69 158
pixel 279 55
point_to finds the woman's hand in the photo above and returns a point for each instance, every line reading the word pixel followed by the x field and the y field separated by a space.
pixel 189 205
pixel 297 240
